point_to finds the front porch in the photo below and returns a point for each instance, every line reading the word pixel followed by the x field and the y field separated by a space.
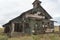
pixel 29 26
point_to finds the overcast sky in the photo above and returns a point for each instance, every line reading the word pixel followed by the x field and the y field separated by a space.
pixel 10 9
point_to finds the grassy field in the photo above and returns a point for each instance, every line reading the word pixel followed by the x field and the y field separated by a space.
pixel 32 37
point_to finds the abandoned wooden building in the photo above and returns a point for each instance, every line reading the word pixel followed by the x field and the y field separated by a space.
pixel 33 21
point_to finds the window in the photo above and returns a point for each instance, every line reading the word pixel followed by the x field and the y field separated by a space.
pixel 18 27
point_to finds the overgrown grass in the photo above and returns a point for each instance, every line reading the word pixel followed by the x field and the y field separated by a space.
pixel 32 37
pixel 2 35
pixel 38 37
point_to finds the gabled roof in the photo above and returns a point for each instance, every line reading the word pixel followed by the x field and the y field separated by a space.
pixel 32 11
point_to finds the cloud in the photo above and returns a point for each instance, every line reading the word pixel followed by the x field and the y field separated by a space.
pixel 52 7
pixel 58 21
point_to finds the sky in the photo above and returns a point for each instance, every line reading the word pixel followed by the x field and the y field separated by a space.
pixel 10 9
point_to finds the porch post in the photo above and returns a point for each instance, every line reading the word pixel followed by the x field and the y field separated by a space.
pixel 12 29
pixel 23 27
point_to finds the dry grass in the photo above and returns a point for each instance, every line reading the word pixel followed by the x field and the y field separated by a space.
pixel 32 37
pixel 38 37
